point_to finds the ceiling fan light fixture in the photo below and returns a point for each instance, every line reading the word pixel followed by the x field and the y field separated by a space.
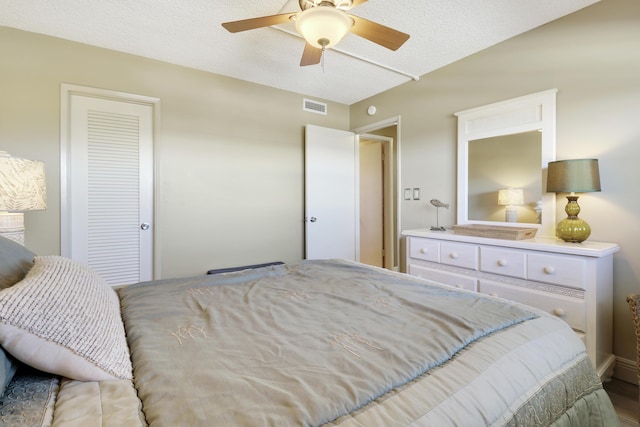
pixel 323 27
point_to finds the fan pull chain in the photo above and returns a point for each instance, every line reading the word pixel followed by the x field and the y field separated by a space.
pixel 323 42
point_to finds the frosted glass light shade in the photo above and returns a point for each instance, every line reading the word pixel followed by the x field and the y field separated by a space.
pixel 323 27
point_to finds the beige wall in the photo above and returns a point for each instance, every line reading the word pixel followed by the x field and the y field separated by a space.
pixel 229 166
pixel 592 58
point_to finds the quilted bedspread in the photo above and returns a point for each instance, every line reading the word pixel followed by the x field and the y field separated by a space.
pixel 299 344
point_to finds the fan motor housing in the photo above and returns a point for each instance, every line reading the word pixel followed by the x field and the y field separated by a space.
pixel 340 4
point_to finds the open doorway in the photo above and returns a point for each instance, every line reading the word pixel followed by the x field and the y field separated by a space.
pixel 378 186
pixel 374 188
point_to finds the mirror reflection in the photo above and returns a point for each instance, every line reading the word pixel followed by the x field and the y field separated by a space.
pixel 510 163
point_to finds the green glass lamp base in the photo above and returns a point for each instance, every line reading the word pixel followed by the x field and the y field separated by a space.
pixel 573 229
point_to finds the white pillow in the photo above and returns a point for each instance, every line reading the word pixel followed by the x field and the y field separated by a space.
pixel 63 318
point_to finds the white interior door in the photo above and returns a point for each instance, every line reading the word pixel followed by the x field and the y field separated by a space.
pixel 331 208
pixel 109 188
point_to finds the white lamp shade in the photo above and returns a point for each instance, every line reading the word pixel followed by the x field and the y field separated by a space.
pixel 22 184
pixel 323 27
pixel 511 197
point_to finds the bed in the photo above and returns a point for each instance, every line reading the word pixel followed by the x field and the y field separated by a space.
pixel 326 342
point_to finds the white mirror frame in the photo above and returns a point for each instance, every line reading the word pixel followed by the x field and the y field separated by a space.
pixel 523 114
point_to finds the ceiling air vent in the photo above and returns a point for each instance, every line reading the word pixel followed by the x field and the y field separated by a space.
pixel 314 106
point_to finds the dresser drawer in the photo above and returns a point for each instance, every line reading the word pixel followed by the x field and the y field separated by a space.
pixel 506 262
pixel 459 254
pixel 423 249
pixel 446 278
pixel 569 309
pixel 556 269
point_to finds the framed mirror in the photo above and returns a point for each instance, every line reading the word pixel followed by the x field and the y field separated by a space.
pixel 503 152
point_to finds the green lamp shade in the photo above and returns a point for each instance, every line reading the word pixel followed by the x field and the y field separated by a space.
pixel 573 176
pixel 569 176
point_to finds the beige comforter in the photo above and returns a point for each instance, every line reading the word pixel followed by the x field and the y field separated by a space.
pixel 339 342
pixel 530 369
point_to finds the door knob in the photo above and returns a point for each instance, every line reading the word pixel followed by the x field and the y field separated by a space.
pixel 144 226
pixel 313 219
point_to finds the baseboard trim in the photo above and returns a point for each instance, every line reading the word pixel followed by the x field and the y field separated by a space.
pixel 626 370
pixel 606 368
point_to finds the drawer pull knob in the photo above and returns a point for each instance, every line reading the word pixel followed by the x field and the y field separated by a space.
pixel 424 250
pixel 453 255
pixel 559 312
pixel 549 270
pixel 502 262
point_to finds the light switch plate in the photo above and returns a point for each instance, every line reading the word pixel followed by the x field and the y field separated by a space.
pixel 407 194
pixel 416 194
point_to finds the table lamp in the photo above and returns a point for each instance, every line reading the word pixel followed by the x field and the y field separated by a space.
pixel 573 176
pixel 22 188
pixel 510 198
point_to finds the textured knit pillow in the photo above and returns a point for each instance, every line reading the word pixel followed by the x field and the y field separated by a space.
pixel 63 318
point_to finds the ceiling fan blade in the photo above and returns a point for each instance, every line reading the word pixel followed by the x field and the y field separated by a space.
pixel 311 55
pixel 357 3
pixel 253 23
pixel 378 33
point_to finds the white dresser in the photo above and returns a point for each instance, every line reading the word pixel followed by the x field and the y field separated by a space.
pixel 573 281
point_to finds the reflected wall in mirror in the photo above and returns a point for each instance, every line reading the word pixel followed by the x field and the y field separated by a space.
pixel 501 162
pixel 503 145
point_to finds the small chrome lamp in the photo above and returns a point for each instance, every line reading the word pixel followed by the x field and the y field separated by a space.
pixel 22 188
pixel 573 176
pixel 510 198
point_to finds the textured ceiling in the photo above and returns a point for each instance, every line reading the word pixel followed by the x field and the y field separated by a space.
pixel 188 33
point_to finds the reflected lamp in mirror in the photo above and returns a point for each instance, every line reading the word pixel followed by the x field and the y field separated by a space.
pixel 573 176
pixel 510 198
pixel 22 188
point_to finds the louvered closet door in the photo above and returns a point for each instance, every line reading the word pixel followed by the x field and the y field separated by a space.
pixel 111 187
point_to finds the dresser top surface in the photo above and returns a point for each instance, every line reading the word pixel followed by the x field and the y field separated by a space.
pixel 547 244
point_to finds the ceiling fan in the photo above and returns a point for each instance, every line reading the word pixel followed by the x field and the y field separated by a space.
pixel 323 23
